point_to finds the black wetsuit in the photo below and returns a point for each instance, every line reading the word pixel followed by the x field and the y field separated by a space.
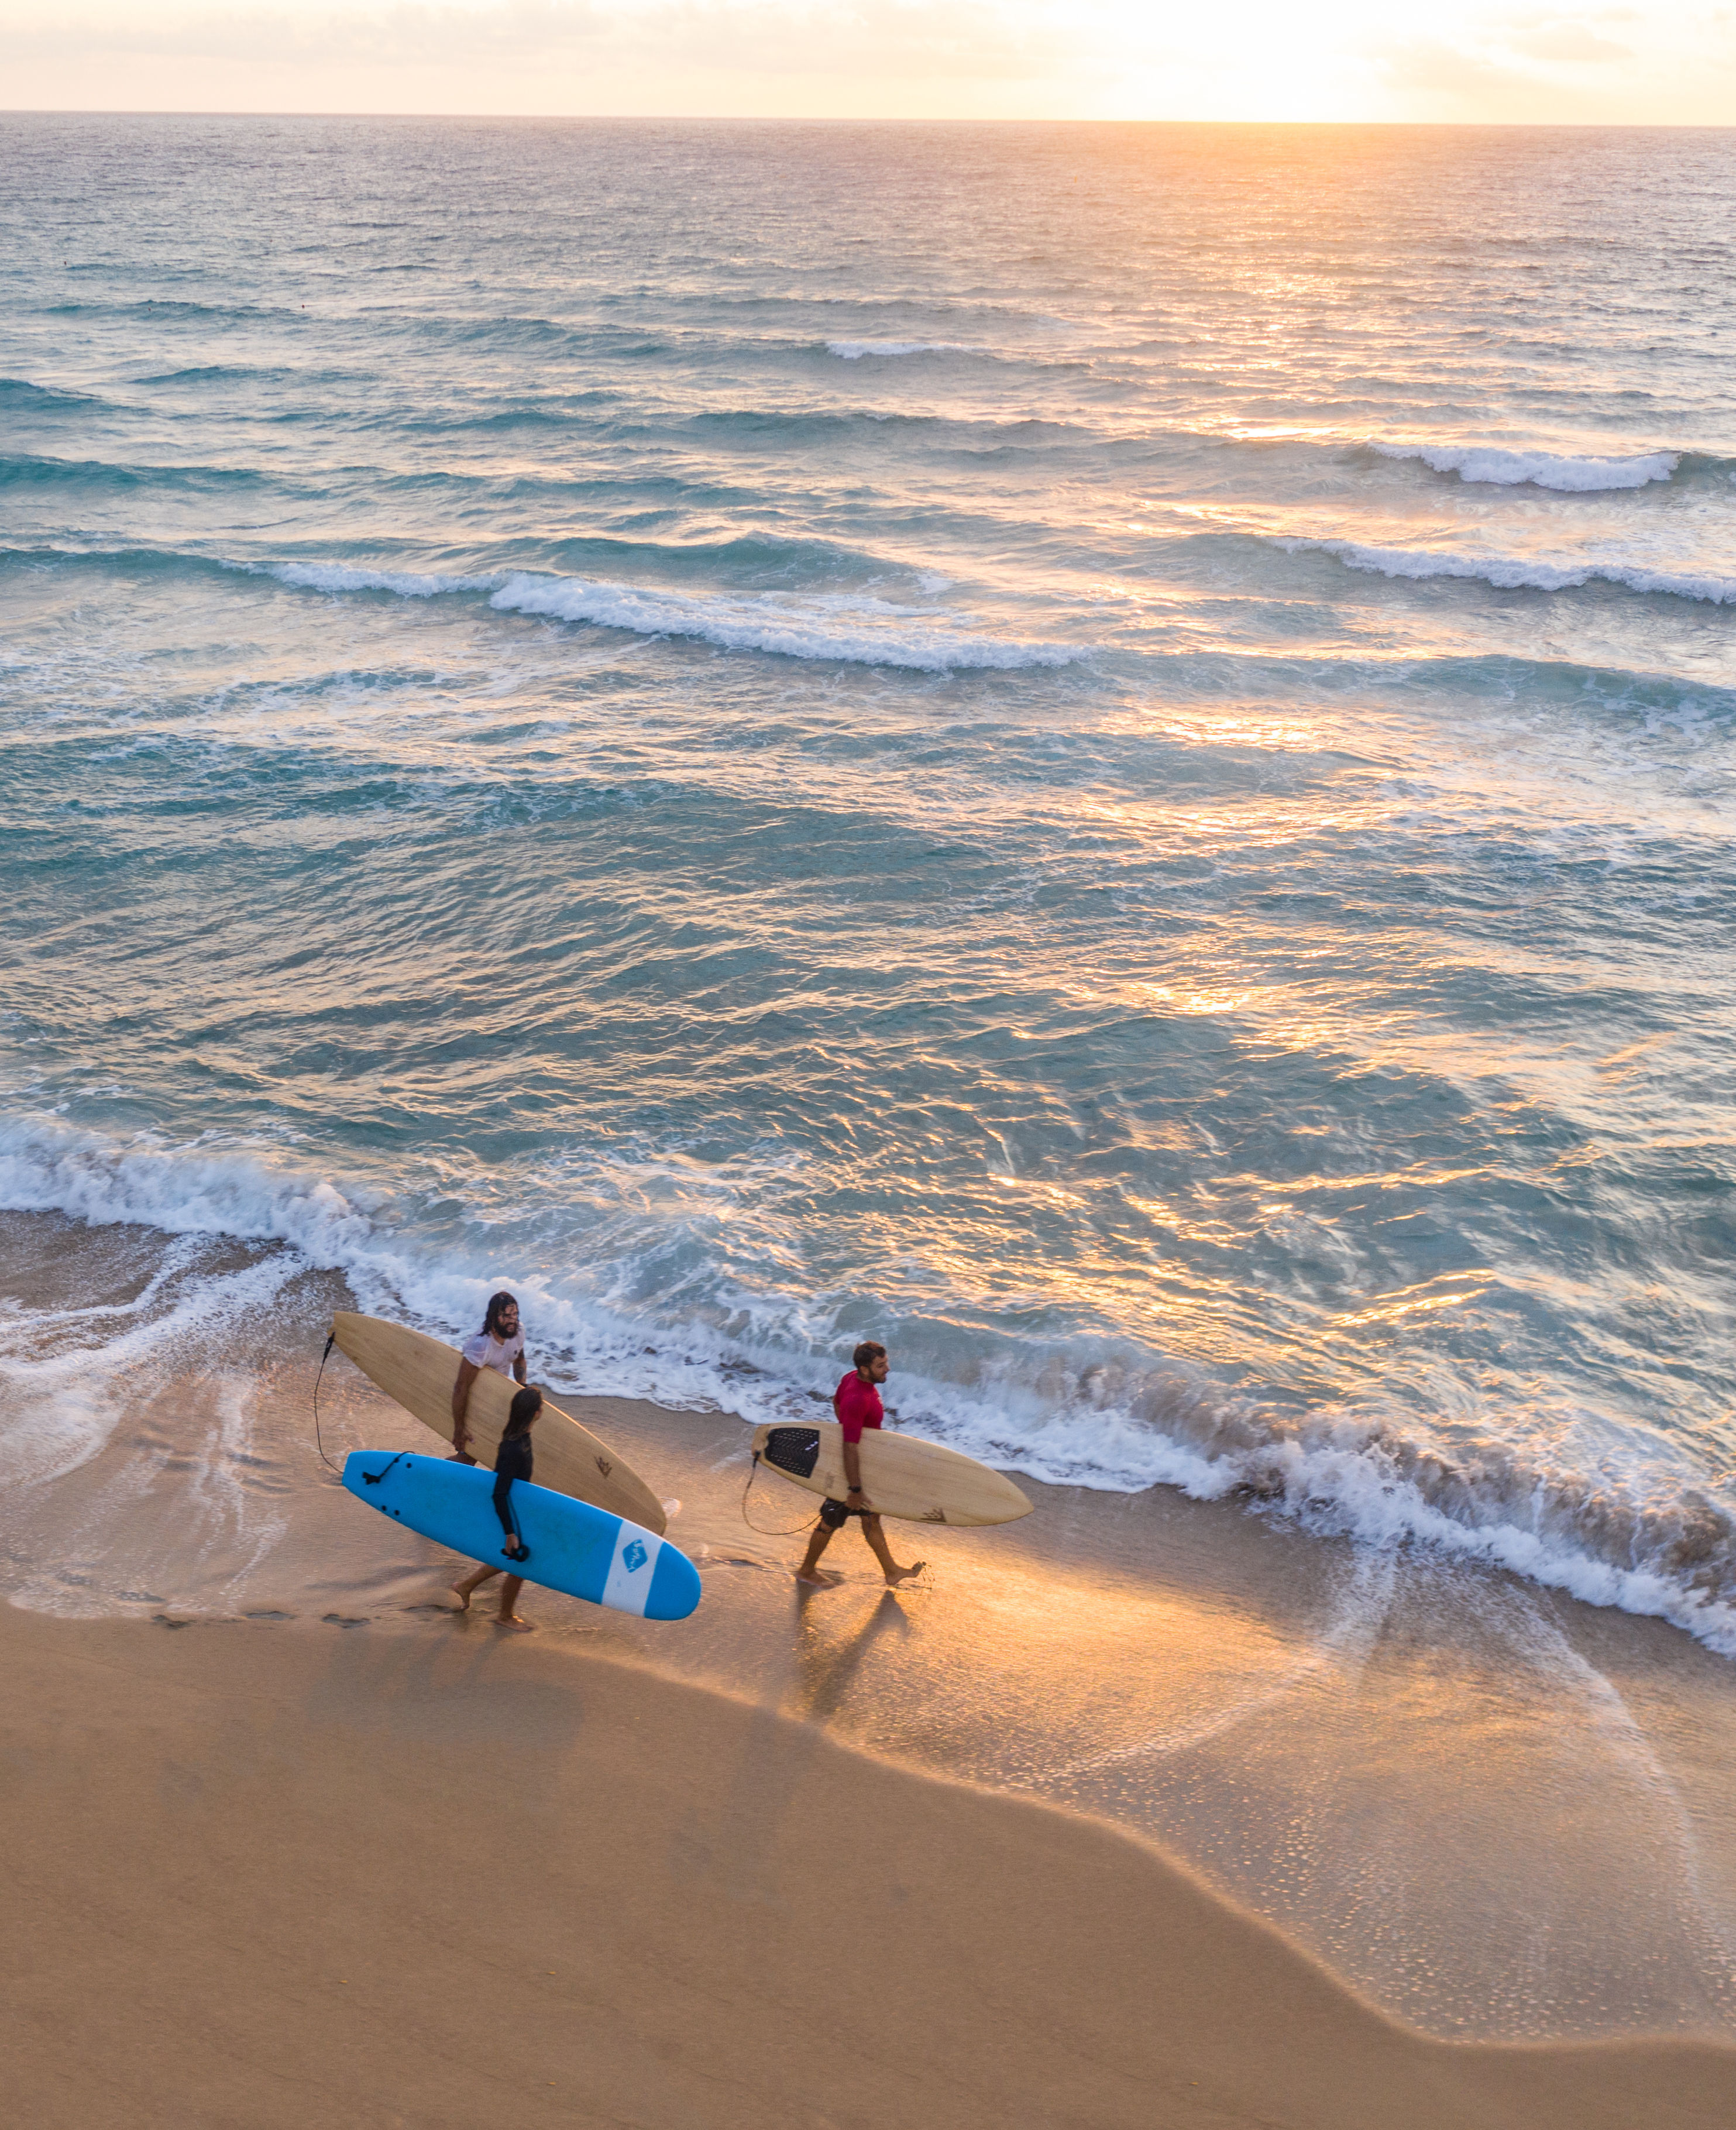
pixel 512 1462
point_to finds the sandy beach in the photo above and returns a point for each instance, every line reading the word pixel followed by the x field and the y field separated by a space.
pixel 292 1873
pixel 1137 1810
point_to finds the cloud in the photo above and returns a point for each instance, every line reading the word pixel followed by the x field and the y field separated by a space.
pixel 965 36
pixel 1262 59
pixel 552 56
pixel 1538 67
pixel 1427 68
pixel 1570 43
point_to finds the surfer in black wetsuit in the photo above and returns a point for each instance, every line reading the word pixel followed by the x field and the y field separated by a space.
pixel 513 1461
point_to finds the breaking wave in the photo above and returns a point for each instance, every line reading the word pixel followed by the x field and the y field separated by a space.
pixel 1517 573
pixel 853 350
pixel 339 577
pixel 865 631
pixel 1507 468
pixel 834 626
pixel 1607 1541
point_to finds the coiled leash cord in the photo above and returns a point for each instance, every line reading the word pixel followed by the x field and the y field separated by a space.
pixel 323 1359
pixel 806 1524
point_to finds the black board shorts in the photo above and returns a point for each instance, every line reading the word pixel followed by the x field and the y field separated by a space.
pixel 834 1515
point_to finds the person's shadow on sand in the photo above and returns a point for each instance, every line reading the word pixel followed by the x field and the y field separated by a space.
pixel 824 1668
pixel 739 1839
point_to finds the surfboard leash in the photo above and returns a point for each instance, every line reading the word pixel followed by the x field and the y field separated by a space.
pixel 323 1359
pixel 807 1524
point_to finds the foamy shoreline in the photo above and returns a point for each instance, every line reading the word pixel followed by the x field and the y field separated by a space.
pixel 1658 1541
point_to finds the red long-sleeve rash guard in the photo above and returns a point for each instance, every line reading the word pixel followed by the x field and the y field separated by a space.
pixel 858 1406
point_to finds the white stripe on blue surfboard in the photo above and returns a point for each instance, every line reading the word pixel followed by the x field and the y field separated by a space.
pixel 628 1587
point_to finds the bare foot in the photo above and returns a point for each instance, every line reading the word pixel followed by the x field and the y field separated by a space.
pixel 462 1595
pixel 521 1626
pixel 821 1579
pixel 894 1576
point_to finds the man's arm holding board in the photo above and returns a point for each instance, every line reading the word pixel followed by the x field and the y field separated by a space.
pixel 468 1372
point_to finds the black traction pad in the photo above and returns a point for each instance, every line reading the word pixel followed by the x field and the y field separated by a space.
pixel 794 1450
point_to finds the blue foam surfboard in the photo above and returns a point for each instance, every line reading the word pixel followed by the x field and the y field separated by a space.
pixel 572 1547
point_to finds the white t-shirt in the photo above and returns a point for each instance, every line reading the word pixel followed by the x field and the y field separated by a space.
pixel 486 1351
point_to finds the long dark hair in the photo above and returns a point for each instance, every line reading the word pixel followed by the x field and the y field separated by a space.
pixel 497 1302
pixel 525 1405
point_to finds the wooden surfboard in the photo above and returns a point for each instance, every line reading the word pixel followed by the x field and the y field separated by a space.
pixel 901 1477
pixel 419 1373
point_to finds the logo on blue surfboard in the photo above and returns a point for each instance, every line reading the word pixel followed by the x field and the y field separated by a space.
pixel 635 1556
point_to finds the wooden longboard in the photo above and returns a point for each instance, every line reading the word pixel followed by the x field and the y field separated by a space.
pixel 901 1476
pixel 419 1372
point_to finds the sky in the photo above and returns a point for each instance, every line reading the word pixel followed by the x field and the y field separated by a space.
pixel 1660 62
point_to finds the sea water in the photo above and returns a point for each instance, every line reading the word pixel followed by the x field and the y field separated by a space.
pixel 1102 753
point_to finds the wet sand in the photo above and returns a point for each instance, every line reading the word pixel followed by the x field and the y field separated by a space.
pixel 299 1876
pixel 1497 1813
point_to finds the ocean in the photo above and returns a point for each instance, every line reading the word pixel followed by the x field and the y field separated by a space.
pixel 1103 753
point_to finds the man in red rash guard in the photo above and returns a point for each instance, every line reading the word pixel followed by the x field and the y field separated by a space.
pixel 856 1402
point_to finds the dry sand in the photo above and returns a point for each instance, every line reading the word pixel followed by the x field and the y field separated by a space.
pixel 304 1875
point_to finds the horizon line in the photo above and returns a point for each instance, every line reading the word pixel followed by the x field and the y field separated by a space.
pixel 821 118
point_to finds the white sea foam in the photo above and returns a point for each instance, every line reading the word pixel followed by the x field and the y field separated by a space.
pixel 1488 462
pixel 1652 1545
pixel 337 577
pixel 865 631
pixel 853 350
pixel 851 628
pixel 1517 573
pixel 63 1361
